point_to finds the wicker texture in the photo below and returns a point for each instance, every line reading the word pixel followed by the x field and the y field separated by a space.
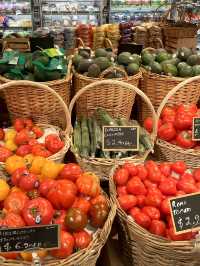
pixel 140 248
pixel 39 113
pixel 19 102
pixel 167 151
pixel 111 97
pixel 100 166
pixel 85 257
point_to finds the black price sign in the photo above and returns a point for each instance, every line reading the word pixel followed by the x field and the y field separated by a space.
pixel 196 128
pixel 29 238
pixel 185 212
pixel 121 138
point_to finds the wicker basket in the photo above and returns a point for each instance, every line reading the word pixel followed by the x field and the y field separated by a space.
pixel 38 112
pixel 101 166
pixel 165 151
pixel 141 248
pixel 19 102
pixel 85 257
pixel 111 94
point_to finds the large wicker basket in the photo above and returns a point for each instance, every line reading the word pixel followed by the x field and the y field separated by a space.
pixel 141 248
pixel 111 94
pixel 19 102
pixel 85 257
pixel 38 112
pixel 100 166
pixel 165 151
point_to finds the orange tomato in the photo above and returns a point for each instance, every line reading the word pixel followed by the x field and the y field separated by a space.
pixel 28 255
pixel 37 165
pixel 13 163
pixel 28 159
pixel 50 170
pixel 4 189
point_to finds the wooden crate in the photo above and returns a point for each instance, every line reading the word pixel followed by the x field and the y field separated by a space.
pixel 20 44
pixel 172 44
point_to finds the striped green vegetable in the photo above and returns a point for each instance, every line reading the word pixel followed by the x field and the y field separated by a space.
pixel 85 139
pixel 77 136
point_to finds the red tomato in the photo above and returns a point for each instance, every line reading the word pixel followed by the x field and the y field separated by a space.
pixel 22 137
pixel 140 200
pixel 148 124
pixel 62 195
pixel 2 134
pixel 18 174
pixel 11 219
pixel 191 108
pixel 152 212
pixel 167 111
pixel 16 201
pixel 71 171
pixel 127 201
pixel 121 190
pixel 19 124
pixel 153 199
pixel 29 182
pixel 82 239
pixel 179 167
pixel 121 176
pixel 188 178
pixel 167 132
pixel 142 172
pixel 132 168
pixel 168 186
pixel 9 255
pixel 180 237
pixel 59 218
pixel 135 186
pixel 82 204
pixel 23 150
pixel 133 211
pixel 53 143
pixel 169 119
pixel 149 185
pixel 165 206
pixel 183 121
pixel 142 219
pixel 181 193
pixel 28 123
pixel 158 228
pixel 40 150
pixel 196 174
pixel 38 211
pixel 4 154
pixel 184 140
pixel 165 168
pixel 98 199
pixel 38 131
pixel 67 246
pixel 88 185
pixel 186 186
pixel 32 142
pixel 45 186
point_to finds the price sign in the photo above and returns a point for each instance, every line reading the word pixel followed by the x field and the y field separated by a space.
pixel 185 212
pixel 29 238
pixel 88 50
pixel 196 129
pixel 121 138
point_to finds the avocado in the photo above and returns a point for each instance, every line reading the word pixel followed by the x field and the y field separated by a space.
pixel 100 52
pixel 147 59
pixel 170 70
pixel 102 62
pixel 76 59
pixel 123 58
pixel 162 57
pixel 84 65
pixel 156 68
pixel 173 61
pixel 181 64
pixel 185 71
pixel 160 50
pixel 193 59
pixel 132 69
pixel 84 54
pixel 111 56
pixel 53 75
pixel 184 53
pixel 94 71
pixel 196 70
pixel 137 59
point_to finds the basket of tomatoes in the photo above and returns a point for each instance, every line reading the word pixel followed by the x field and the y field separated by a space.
pixel 175 129
pixel 58 194
pixel 34 134
pixel 146 232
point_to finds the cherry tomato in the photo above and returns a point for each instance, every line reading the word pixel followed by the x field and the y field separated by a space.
pixel 67 246
pixel 23 150
pixel 168 186
pixel 2 134
pixel 179 167
pixel 127 201
pixel 53 143
pixel 143 219
pixel 121 176
pixel 152 212
pixel 38 131
pixel 132 168
pixel 75 219
pixel 4 154
pixel 19 124
pixel 158 228
pixel 136 187
pixel 71 171
pixel 82 204
pixel 184 140
pixel 16 201
pixel 82 239
pixel 167 132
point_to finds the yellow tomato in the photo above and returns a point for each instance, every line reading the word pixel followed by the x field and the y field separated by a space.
pixel 50 170
pixel 13 163
pixel 4 189
pixel 10 144
pixel 37 165
pixel 10 134
pixel 15 189
pixel 28 159
pixel 28 255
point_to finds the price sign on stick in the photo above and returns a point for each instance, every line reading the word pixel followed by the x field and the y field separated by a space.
pixel 29 238
pixel 185 211
pixel 196 129
pixel 120 138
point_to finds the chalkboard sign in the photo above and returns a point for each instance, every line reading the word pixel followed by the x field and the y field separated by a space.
pixel 196 128
pixel 185 212
pixel 121 138
pixel 132 48
pixel 29 238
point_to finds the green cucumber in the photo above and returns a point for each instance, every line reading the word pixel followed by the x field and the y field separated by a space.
pixel 77 136
pixel 91 134
pixel 85 139
pixel 104 118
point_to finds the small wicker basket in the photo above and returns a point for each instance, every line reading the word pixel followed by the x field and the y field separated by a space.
pixel 100 89
pixel 39 113
pixel 165 151
pixel 141 248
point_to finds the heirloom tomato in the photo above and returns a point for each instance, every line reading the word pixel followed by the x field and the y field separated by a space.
pixel 183 121
pixel 4 154
pixel 45 186
pixel 11 219
pixel 22 137
pixel 184 140
pixel 98 214
pixel 38 131
pixel 16 201
pixel 82 204
pixel 59 218
pixel 53 143
pixel 13 163
pixel 40 150
pixel 23 150
pixel 4 189
pixel 82 239
pixel 75 219
pixel 71 171
pixel 50 170
pixel 167 132
pixel 66 246
pixel 88 184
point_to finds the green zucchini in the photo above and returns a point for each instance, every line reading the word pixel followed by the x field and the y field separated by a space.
pixel 85 139
pixel 92 136
pixel 104 118
pixel 77 136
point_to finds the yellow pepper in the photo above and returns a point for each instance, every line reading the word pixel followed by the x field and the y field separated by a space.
pixel 10 144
